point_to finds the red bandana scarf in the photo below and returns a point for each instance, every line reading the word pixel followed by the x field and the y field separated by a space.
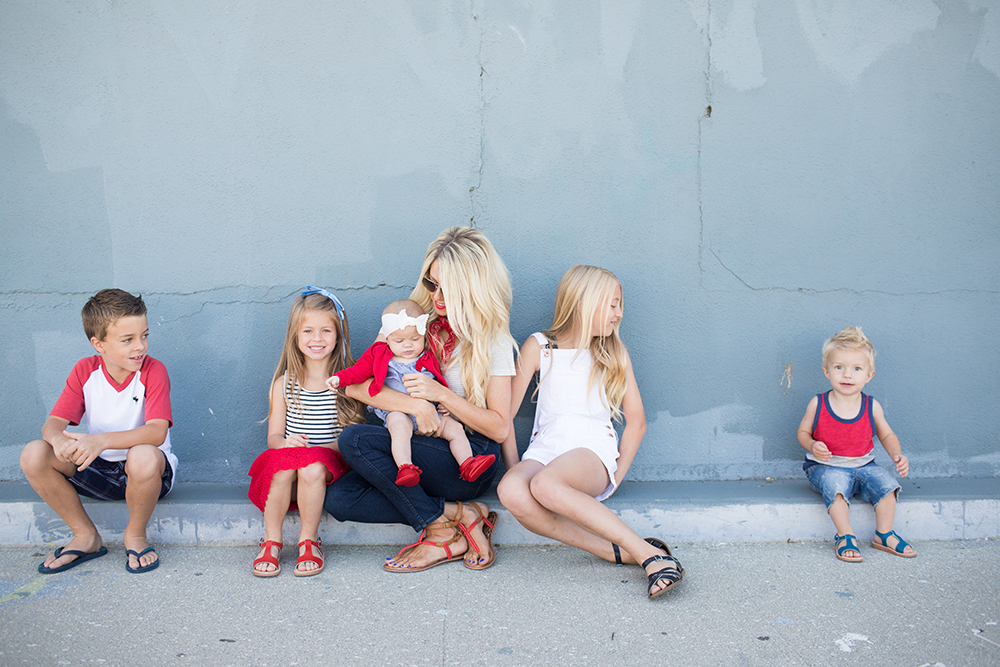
pixel 434 330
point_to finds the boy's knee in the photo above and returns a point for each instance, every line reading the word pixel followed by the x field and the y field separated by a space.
pixel 143 462
pixel 36 456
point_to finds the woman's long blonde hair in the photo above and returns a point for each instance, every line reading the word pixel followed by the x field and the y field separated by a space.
pixel 292 361
pixel 583 291
pixel 476 288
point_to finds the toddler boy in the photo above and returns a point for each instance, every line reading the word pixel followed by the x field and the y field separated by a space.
pixel 125 453
pixel 837 431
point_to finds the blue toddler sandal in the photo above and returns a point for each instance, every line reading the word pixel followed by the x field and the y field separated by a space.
pixel 850 544
pixel 138 554
pixel 881 542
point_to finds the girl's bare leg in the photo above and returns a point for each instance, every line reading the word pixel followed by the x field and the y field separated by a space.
pixel 567 487
pixel 515 494
pixel 309 494
pixel 275 509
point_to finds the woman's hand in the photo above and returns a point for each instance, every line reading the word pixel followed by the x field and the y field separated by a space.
pixel 419 385
pixel 428 419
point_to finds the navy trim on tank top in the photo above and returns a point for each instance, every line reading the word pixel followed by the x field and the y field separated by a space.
pixel 824 398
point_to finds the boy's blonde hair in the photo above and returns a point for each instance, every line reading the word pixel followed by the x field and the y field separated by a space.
pixel 476 288
pixel 107 307
pixel 583 291
pixel 851 339
pixel 292 361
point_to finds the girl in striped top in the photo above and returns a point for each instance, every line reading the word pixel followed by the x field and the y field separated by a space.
pixel 303 423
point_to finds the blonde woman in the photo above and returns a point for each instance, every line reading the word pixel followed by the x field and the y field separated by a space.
pixel 465 285
pixel 574 460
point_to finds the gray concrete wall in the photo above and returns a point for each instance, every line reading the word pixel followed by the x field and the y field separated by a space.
pixel 216 157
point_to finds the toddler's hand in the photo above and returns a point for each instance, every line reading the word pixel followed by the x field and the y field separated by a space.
pixel 902 465
pixel 443 411
pixel 333 382
pixel 821 451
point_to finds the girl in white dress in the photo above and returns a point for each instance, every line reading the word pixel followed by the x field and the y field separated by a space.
pixel 574 459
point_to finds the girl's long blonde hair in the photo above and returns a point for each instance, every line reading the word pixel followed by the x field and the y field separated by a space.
pixel 583 291
pixel 292 361
pixel 476 288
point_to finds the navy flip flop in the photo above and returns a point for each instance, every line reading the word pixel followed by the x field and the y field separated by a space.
pixel 142 568
pixel 81 557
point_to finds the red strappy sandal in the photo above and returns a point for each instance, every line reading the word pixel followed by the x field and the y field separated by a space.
pixel 309 555
pixel 266 545
pixel 489 524
pixel 459 531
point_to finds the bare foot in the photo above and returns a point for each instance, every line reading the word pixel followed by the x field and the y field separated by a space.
pixel 268 567
pixel 88 544
pixel 448 544
pixel 139 544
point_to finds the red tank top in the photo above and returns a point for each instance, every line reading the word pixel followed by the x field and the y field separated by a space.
pixel 844 437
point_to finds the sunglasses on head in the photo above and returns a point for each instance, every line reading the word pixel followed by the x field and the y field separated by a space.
pixel 430 285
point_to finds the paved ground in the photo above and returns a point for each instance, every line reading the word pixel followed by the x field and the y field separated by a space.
pixel 740 604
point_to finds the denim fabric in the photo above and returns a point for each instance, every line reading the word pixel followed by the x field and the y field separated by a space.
pixel 106 480
pixel 870 482
pixel 369 493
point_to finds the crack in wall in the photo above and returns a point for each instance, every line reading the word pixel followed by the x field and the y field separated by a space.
pixel 809 290
pixel 701 123
pixel 482 116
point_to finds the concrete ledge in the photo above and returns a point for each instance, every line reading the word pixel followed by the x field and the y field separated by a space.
pixel 743 511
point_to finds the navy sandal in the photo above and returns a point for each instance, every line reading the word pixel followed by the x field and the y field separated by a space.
pixel 81 557
pixel 900 546
pixel 142 568
pixel 618 554
pixel 670 574
pixel 850 544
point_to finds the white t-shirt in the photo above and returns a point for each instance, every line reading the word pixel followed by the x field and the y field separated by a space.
pixel 110 406
pixel 501 364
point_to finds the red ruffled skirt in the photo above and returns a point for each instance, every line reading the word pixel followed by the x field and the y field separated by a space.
pixel 271 461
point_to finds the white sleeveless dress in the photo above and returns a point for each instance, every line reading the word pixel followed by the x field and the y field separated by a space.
pixel 567 417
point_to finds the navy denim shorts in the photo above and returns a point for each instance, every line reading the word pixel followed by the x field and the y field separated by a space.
pixel 870 482
pixel 105 480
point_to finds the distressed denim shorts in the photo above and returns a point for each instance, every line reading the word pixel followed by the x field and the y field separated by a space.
pixel 870 482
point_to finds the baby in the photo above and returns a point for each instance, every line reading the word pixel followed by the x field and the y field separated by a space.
pixel 837 431
pixel 404 325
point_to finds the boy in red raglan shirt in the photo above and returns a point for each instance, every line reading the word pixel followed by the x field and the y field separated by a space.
pixel 125 454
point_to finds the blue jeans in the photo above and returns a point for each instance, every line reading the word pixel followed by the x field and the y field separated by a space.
pixel 870 482
pixel 369 493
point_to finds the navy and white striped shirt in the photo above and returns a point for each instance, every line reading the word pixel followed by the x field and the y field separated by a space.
pixel 317 417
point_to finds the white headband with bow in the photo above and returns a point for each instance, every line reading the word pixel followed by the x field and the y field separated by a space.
pixel 396 321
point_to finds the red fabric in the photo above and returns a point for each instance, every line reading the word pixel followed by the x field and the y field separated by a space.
pixel 844 437
pixel 271 461
pixel 434 329
pixel 374 363
pixel 71 404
